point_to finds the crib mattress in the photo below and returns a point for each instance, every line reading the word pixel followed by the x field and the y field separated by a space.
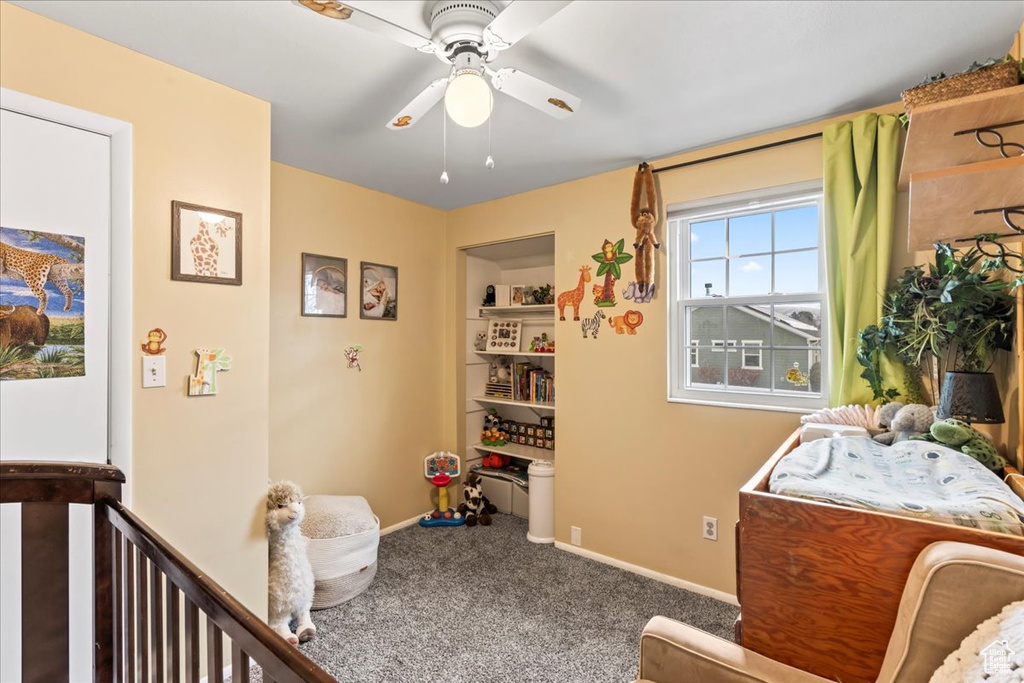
pixel 911 478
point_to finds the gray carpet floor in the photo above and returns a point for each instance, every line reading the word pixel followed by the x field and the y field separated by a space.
pixel 484 605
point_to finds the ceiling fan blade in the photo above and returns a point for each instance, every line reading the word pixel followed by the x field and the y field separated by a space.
pixel 350 14
pixel 519 18
pixel 420 105
pixel 535 92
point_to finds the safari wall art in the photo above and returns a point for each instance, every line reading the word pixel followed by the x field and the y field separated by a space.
pixel 42 305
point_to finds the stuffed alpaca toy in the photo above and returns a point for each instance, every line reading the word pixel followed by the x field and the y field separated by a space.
pixel 290 590
pixel 962 437
pixel 476 507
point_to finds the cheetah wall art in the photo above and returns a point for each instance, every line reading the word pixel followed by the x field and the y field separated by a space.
pixel 42 305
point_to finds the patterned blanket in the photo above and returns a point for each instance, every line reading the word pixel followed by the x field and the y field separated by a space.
pixel 911 478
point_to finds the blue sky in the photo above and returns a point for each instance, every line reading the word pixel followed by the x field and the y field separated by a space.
pixel 750 260
pixel 13 289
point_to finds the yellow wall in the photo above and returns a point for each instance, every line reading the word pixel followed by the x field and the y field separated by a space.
pixel 341 431
pixel 200 464
pixel 636 472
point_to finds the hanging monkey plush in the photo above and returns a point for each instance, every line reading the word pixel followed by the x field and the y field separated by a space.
pixel 644 220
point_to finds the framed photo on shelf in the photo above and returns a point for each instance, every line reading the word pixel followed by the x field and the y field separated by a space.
pixel 206 244
pixel 504 335
pixel 324 286
pixel 521 295
pixel 378 293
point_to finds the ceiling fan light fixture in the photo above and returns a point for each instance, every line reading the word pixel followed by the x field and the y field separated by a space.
pixel 468 99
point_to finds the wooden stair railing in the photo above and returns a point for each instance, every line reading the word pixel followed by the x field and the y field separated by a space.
pixel 148 597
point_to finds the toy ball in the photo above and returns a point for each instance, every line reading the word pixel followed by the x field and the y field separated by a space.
pixel 435 514
pixel 448 515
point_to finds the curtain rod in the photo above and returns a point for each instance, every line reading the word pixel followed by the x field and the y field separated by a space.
pixel 737 152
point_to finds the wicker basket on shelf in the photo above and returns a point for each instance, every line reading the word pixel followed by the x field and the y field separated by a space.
pixel 1002 75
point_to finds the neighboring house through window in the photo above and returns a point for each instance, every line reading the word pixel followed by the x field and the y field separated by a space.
pixel 748 278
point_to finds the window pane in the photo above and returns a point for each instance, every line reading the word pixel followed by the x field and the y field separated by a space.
pixel 705 325
pixel 796 273
pixel 798 324
pixel 749 378
pixel 749 323
pixel 750 276
pixel 707 239
pixel 798 370
pixel 750 234
pixel 796 228
pixel 707 278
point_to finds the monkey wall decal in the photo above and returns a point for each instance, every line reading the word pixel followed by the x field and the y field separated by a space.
pixel 644 219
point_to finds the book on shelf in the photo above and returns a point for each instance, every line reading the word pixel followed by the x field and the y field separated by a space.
pixel 532 383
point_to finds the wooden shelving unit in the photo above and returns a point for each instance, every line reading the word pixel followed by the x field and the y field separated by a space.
pixel 528 354
pixel 933 141
pixel 533 405
pixel 516 311
pixel 963 164
pixel 517 451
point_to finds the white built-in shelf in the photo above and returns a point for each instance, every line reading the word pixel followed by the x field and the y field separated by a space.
pixel 517 451
pixel 510 402
pixel 515 311
pixel 517 353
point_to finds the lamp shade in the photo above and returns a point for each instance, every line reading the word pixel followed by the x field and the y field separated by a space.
pixel 972 397
pixel 468 99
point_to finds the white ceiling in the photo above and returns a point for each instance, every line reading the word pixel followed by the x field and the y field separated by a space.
pixel 655 77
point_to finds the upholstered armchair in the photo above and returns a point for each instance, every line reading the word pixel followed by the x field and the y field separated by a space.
pixel 951 589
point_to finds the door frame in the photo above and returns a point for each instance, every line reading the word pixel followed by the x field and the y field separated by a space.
pixel 119 398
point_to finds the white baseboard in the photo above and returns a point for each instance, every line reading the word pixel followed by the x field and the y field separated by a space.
pixel 401 525
pixel 650 573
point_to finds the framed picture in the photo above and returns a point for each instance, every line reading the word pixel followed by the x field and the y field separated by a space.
pixel 206 244
pixel 519 295
pixel 504 335
pixel 378 292
pixel 324 286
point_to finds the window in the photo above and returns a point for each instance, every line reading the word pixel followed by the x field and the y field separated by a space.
pixel 748 290
pixel 752 356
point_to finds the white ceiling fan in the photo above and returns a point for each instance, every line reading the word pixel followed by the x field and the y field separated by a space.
pixel 468 35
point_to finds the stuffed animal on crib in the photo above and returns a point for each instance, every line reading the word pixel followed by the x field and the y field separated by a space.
pixel 903 422
pixel 962 437
pixel 475 506
pixel 290 584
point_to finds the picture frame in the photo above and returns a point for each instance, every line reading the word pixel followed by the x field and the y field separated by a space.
pixel 206 244
pixel 518 295
pixel 378 291
pixel 504 335
pixel 323 288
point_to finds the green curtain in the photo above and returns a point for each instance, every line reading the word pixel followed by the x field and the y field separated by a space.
pixel 860 205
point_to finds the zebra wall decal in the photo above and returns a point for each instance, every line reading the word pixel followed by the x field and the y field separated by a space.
pixel 592 324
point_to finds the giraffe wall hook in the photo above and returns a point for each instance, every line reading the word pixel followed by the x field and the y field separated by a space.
pixel 208 363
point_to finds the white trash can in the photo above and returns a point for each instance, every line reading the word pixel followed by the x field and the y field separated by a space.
pixel 542 502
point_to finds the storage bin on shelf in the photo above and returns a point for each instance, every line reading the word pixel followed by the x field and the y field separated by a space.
pixel 343 538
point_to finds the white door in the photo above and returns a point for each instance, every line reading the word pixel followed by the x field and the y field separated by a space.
pixel 55 207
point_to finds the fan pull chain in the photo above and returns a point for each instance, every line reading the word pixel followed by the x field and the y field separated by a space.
pixel 444 167
pixel 490 160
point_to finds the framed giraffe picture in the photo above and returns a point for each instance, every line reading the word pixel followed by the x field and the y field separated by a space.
pixel 206 244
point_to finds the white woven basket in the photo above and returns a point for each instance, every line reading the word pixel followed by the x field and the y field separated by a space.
pixel 343 566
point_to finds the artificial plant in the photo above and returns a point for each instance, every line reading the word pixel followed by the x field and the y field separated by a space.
pixel 953 315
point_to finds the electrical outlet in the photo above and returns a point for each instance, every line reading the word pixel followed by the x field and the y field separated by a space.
pixel 577 535
pixel 711 528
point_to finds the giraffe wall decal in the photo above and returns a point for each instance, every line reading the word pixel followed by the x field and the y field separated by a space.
pixel 573 297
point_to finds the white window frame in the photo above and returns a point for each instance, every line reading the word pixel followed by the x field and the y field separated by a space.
pixel 746 343
pixel 679 217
